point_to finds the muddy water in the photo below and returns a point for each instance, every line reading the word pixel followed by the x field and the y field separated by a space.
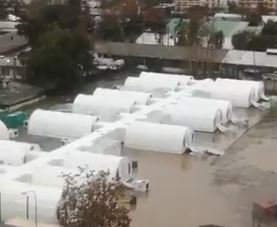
pixel 182 192
pixel 193 190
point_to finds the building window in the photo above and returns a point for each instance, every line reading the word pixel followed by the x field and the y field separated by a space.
pixel 5 71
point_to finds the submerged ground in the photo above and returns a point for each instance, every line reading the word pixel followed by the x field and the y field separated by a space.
pixel 192 191
pixel 188 191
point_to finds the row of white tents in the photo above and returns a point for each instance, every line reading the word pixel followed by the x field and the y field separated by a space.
pixel 182 102
pixel 184 105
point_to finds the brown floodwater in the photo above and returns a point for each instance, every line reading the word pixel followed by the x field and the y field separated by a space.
pixel 193 190
pixel 182 192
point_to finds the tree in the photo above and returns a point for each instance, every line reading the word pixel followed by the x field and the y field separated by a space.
pixel 250 41
pixel 241 40
pixel 154 19
pixel 40 17
pixel 270 28
pixel 150 3
pixel 57 58
pixel 3 9
pixel 91 200
pixel 110 28
pixel 216 39
pixel 232 7
pixel 254 18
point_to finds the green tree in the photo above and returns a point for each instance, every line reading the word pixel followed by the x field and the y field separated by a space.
pixel 197 26
pixel 216 39
pixel 40 17
pixel 154 18
pixel 254 18
pixel 91 201
pixel 241 40
pixel 232 7
pixel 3 9
pixel 57 58
pixel 110 28
pixel 270 28
pixel 250 41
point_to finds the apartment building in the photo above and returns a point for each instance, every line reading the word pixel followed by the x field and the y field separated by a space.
pixel 56 2
pixel 182 5
pixel 270 4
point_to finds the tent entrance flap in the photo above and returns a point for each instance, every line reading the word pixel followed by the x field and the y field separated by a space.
pixel 265 98
pixel 221 127
pixel 261 106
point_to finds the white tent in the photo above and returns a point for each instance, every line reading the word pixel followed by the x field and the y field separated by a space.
pixel 14 201
pixel 154 85
pixel 205 118
pixel 107 109
pixel 53 174
pixel 257 85
pixel 158 137
pixel 15 153
pixel 180 79
pixel 118 167
pixel 139 97
pixel 240 96
pixel 226 107
pixel 104 146
pixel 60 124
pixel 4 132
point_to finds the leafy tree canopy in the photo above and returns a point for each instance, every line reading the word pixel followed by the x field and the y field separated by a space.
pixel 57 58
pixel 91 201
pixel 39 17
pixel 250 41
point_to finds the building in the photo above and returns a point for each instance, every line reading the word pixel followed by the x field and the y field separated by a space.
pixel 182 5
pixel 269 4
pixel 11 69
pixel 56 2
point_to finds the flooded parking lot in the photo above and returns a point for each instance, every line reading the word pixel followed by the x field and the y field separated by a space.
pixel 196 190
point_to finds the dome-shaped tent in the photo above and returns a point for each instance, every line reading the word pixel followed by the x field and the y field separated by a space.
pixel 205 118
pixel 226 107
pixel 139 97
pixel 158 137
pixel 239 96
pixel 15 203
pixel 118 167
pixel 53 174
pixel 4 132
pixel 60 124
pixel 156 86
pixel 107 109
pixel 257 85
pixel 15 153
pixel 180 79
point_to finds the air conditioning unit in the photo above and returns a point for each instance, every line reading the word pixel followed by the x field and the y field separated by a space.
pixel 13 133
pixel 141 185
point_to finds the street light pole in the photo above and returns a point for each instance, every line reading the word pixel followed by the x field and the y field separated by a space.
pixel 36 207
